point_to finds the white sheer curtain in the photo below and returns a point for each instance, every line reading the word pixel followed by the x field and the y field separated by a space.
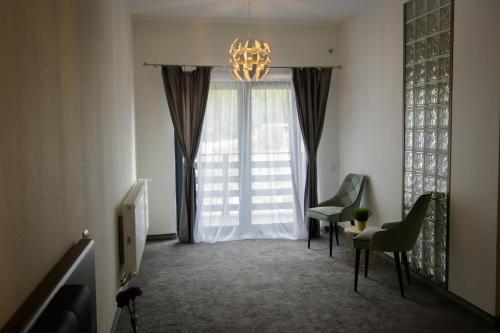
pixel 251 161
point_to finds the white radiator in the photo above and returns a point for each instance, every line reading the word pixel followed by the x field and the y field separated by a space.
pixel 135 225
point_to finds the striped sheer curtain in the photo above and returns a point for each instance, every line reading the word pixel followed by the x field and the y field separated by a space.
pixel 251 161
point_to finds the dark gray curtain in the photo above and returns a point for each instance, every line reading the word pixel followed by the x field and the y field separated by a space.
pixel 187 93
pixel 311 87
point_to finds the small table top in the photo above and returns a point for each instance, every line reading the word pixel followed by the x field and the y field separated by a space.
pixel 352 231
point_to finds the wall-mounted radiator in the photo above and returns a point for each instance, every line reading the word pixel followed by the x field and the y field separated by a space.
pixel 135 225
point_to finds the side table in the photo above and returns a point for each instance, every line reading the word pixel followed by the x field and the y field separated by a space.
pixel 350 232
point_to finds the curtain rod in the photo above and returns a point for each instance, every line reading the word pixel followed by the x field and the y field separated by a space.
pixel 146 64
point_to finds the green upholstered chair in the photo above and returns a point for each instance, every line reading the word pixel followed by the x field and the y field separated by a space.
pixel 396 237
pixel 340 208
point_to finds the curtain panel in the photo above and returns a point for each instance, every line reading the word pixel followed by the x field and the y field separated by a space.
pixel 187 93
pixel 251 161
pixel 311 87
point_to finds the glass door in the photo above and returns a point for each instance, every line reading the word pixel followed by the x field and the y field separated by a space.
pixel 250 163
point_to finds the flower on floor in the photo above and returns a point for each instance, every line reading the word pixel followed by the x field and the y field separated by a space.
pixel 126 298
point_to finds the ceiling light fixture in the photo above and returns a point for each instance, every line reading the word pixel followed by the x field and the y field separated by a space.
pixel 249 59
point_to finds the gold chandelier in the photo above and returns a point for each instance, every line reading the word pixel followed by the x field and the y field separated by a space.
pixel 249 59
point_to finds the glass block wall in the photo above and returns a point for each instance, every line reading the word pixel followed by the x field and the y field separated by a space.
pixel 427 109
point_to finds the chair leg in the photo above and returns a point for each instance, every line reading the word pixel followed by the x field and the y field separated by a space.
pixel 331 238
pixel 337 233
pixel 398 270
pixel 352 223
pixel 367 260
pixel 407 268
pixel 356 269
pixel 309 237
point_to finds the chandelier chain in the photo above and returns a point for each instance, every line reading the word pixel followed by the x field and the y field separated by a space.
pixel 249 21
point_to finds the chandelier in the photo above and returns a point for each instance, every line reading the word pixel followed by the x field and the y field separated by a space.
pixel 249 59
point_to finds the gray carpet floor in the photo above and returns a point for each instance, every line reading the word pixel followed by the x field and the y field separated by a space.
pixel 281 286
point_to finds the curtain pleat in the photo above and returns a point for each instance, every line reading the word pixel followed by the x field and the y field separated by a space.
pixel 311 87
pixel 187 93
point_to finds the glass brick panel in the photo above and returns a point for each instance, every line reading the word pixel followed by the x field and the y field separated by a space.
pixel 420 50
pixel 441 214
pixel 440 234
pixel 433 22
pixel 442 184
pixel 428 231
pixel 444 93
pixel 410 75
pixel 430 164
pixel 429 184
pixel 432 46
pixel 429 257
pixel 445 18
pixel 409 118
pixel 443 116
pixel 408 160
pixel 431 116
pixel 444 68
pixel 418 249
pixel 440 278
pixel 431 4
pixel 410 53
pixel 409 139
pixel 444 43
pixel 418 141
pixel 419 96
pixel 418 184
pixel 408 199
pixel 419 73
pixel 418 162
pixel 443 141
pixel 420 7
pixel 431 96
pixel 420 27
pixel 409 97
pixel 410 32
pixel 430 215
pixel 442 165
pixel 420 117
pixel 430 140
pixel 409 10
pixel 432 69
pixel 408 183
pixel 427 84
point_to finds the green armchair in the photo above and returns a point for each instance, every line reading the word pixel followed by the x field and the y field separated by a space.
pixel 396 237
pixel 340 208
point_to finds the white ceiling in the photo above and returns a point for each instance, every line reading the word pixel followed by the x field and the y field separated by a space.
pixel 279 11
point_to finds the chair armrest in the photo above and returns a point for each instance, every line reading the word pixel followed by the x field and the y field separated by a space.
pixel 363 240
pixel 390 225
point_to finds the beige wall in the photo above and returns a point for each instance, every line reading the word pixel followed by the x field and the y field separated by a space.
pixel 202 43
pixel 371 104
pixel 66 128
pixel 474 152
pixel 371 130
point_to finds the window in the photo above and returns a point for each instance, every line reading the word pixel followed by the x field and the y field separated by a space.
pixel 250 162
